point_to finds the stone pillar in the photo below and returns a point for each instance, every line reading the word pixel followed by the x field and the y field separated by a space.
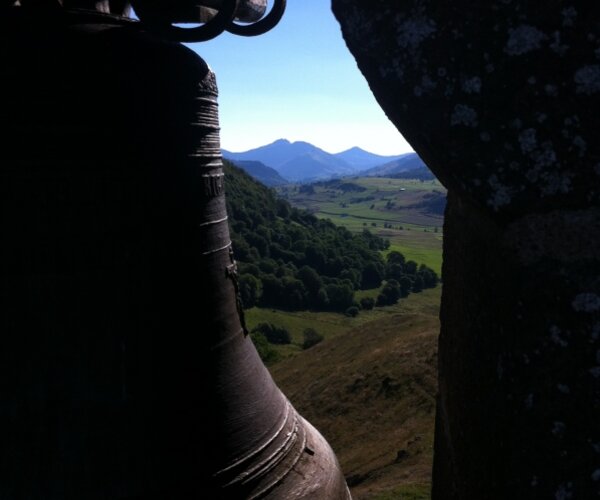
pixel 502 102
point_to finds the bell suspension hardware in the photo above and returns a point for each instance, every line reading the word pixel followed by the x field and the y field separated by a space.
pixel 218 16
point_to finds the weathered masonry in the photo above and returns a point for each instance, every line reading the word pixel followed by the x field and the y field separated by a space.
pixel 502 100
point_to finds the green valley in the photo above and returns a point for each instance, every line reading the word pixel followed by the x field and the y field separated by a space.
pixel 407 212
pixel 368 382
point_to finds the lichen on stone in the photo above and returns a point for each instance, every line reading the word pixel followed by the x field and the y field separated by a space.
pixel 501 194
pixel 587 79
pixel 569 14
pixel 528 140
pixel 558 428
pixel 586 302
pixel 472 85
pixel 463 115
pixel 558 47
pixel 556 338
pixel 412 31
pixel 564 492
pixel 523 39
pixel 555 182
pixel 580 144
pixel 551 90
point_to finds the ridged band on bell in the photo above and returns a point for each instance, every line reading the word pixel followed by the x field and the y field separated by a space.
pixel 265 446
pixel 127 368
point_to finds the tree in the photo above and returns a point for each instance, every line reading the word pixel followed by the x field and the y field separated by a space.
pixel 283 209
pixel 274 334
pixel 372 274
pixel 311 279
pixel 352 311
pixel 429 276
pixel 311 338
pixel 322 299
pixel 265 350
pixel 353 276
pixel 390 293
pixel 273 291
pixel 294 293
pixel 410 267
pixel 367 303
pixel 417 284
pixel 395 257
pixel 405 286
pixel 315 257
pixel 250 290
pixel 394 271
pixel 340 296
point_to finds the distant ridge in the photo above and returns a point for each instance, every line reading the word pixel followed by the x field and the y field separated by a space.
pixel 409 161
pixel 266 175
pixel 421 173
pixel 315 165
pixel 301 161
pixel 361 159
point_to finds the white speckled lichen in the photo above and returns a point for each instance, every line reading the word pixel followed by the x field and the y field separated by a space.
pixel 412 31
pixel 523 39
pixel 564 492
pixel 528 140
pixel 587 79
pixel 569 14
pixel 463 115
pixel 501 194
pixel 472 85
pixel 558 428
pixel 586 302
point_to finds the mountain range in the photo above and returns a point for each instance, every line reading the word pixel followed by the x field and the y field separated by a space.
pixel 303 162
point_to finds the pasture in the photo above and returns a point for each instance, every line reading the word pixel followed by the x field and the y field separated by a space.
pixel 409 213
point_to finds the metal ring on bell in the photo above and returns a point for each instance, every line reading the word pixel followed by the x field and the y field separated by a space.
pixel 150 13
pixel 260 27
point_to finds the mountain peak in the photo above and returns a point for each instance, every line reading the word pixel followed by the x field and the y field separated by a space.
pixel 355 149
pixel 280 142
pixel 300 160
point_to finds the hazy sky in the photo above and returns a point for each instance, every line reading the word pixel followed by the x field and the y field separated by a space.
pixel 297 82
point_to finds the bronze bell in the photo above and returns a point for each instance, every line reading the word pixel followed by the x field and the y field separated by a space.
pixel 193 11
pixel 126 369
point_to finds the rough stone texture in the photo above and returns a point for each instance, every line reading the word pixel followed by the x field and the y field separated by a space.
pixel 501 100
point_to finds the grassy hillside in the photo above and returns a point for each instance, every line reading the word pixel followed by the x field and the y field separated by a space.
pixel 370 389
pixel 290 259
pixel 370 385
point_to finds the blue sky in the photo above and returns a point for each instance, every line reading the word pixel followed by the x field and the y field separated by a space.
pixel 297 82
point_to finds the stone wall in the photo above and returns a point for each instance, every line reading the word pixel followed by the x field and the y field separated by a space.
pixel 502 102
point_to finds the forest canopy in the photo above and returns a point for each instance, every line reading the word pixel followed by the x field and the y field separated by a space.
pixel 290 259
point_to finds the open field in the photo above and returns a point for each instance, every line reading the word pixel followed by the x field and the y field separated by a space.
pixel 407 212
pixel 332 325
pixel 370 385
pixel 370 388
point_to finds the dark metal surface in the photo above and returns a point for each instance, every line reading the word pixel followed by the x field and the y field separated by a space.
pixel 265 24
pixel 160 17
pixel 160 20
pixel 124 366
